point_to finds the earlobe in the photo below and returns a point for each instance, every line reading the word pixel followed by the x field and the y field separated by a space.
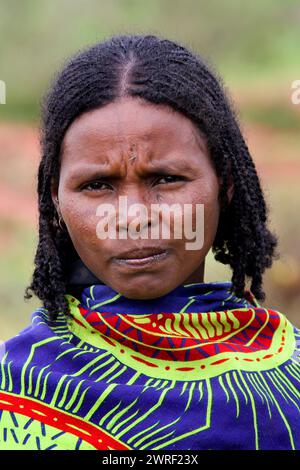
pixel 54 195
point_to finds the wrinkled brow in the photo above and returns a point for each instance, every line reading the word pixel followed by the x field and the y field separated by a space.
pixel 115 171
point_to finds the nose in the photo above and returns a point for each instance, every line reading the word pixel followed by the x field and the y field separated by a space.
pixel 133 213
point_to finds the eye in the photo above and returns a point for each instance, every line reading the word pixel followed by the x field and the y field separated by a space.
pixel 169 179
pixel 95 186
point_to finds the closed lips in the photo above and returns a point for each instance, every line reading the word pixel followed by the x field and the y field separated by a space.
pixel 141 253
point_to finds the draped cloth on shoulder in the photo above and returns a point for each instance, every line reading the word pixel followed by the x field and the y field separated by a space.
pixel 195 369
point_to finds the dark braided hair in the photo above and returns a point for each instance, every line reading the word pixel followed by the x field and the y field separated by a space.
pixel 159 71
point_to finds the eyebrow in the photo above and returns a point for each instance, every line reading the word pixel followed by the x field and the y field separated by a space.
pixel 104 171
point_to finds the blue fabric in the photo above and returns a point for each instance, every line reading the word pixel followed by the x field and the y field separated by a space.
pixel 204 297
pixel 195 369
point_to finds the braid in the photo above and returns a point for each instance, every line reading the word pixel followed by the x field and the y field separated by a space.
pixel 161 72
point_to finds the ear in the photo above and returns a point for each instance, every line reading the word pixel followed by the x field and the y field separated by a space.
pixel 54 195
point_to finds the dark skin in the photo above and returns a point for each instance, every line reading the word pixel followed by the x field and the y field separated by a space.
pixel 129 141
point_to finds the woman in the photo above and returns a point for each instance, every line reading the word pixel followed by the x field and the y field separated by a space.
pixel 132 349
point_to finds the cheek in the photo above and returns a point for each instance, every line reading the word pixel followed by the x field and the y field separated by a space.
pixel 81 221
pixel 206 192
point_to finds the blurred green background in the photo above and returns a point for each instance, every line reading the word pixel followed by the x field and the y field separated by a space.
pixel 254 46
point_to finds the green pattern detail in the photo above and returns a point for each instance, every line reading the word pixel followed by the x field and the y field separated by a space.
pixel 33 435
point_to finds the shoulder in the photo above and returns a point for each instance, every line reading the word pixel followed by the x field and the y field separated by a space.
pixel 38 339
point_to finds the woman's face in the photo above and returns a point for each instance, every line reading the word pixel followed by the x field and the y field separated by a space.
pixel 152 155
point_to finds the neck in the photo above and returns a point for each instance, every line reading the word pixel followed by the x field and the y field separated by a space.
pixel 196 276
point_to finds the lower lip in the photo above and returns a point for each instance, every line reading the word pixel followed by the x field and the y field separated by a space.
pixel 142 262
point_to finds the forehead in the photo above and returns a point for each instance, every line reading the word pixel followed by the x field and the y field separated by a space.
pixel 131 122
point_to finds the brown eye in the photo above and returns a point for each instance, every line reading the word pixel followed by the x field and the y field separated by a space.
pixel 169 179
pixel 96 186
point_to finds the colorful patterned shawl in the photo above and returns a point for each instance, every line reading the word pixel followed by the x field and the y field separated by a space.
pixel 195 369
